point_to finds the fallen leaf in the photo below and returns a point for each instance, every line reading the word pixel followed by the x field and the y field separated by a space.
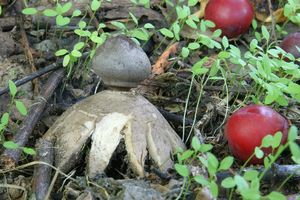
pixel 162 64
pixel 203 4
pixel 278 16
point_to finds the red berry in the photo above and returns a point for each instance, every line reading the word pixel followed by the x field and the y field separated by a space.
pixel 246 128
pixel 233 17
pixel 290 42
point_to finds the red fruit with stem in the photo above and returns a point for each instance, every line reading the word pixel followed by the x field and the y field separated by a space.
pixel 290 44
pixel 233 17
pixel 246 128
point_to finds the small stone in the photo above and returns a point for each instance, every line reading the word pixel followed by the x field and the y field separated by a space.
pixel 120 62
pixel 132 189
pixel 8 45
pixel 46 46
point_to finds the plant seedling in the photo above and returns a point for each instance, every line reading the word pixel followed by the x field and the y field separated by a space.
pixel 247 127
pixel 233 17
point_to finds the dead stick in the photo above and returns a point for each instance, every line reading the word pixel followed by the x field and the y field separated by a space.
pixel 28 54
pixel 32 76
pixel 42 173
pixel 45 70
pixel 25 44
pixel 174 118
pixel 10 157
pixel 273 33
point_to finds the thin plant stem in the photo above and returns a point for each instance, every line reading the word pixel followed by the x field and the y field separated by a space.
pixel 185 108
pixel 182 189
pixel 197 105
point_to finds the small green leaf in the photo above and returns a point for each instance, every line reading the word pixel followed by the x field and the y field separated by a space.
pixel 95 5
pixel 28 151
pixel 202 26
pixel 10 145
pixel 250 193
pixel 225 42
pixel 58 8
pixel 267 141
pixel 214 69
pixel 240 182
pixel 176 30
pixel 62 21
pixel 191 23
pixel 66 7
pixel 166 33
pixel 5 119
pixel 49 12
pixel 192 2
pixel 182 170
pixel 205 148
pixel 265 33
pixel 66 60
pixel 253 45
pixel 267 161
pixel 119 25
pixel 226 163
pixel 12 88
pixel 209 24
pixel 203 161
pixel 217 33
pixel 201 179
pixel 76 13
pixel 83 33
pixel 133 18
pixel 293 88
pixel 187 154
pixel 213 163
pixel 96 39
pixel 193 45
pixel 277 139
pixel 197 68
pixel 79 45
pixel 183 12
pixel 29 11
pixel 149 26
pixel 214 189
pixel 254 24
pixel 276 196
pixel 185 52
pixel 61 52
pixel 293 133
pixel 196 143
pixel 295 150
pixel 228 183
pixel 258 153
pixel 81 24
pixel 251 174
pixel 255 184
pixel 223 55
pixel 21 107
pixel 76 53
pixel 140 34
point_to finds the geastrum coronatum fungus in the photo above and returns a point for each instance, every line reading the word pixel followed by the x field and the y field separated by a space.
pixel 125 128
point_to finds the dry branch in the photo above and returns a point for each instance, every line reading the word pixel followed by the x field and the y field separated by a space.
pixel 42 173
pixel 10 157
